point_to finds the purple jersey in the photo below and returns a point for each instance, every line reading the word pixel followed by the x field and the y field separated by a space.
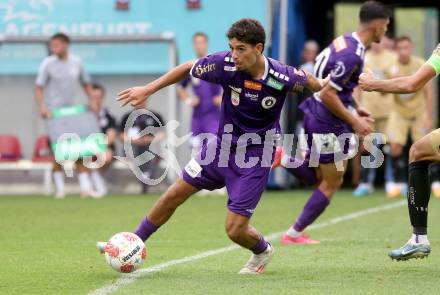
pixel 206 114
pixel 206 91
pixel 343 60
pixel 251 106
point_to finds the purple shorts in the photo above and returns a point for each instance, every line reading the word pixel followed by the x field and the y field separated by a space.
pixel 244 185
pixel 328 142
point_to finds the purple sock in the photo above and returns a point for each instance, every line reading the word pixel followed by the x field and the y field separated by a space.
pixel 145 229
pixel 260 247
pixel 312 210
pixel 302 171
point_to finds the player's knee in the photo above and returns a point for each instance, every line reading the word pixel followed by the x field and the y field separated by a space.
pixel 415 152
pixel 234 231
pixel 330 186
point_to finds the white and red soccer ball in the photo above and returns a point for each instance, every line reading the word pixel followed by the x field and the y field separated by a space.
pixel 125 252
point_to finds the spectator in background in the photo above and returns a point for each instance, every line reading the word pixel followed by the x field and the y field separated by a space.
pixel 308 55
pixel 411 115
pixel 60 79
pixel 388 43
pixel 108 126
pixel 379 60
pixel 141 144
pixel 206 98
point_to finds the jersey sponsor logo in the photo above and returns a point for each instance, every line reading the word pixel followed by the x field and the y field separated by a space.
pixel 338 70
pixel 236 89
pixel 268 102
pixel 252 85
pixel 339 43
pixel 202 69
pixel 274 84
pixel 235 98
pixel 229 68
pixel 252 96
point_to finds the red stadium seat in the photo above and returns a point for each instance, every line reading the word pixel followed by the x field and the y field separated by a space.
pixel 42 150
pixel 10 148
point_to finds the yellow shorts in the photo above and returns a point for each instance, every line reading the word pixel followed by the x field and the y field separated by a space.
pixel 434 139
pixel 398 128
pixel 380 125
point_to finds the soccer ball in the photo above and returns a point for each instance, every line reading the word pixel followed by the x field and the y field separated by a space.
pixel 125 252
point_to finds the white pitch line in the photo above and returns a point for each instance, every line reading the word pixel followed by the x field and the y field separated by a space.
pixel 126 279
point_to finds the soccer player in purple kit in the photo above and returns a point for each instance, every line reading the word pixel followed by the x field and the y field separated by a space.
pixel 254 89
pixel 206 99
pixel 328 114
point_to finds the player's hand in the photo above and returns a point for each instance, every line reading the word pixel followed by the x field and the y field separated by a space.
pixel 217 100
pixel 44 113
pixel 324 82
pixel 366 80
pixel 192 101
pixel 362 126
pixel 135 96
pixel 363 112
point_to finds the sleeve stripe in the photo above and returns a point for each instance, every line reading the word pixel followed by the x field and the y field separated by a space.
pixel 334 85
pixel 192 68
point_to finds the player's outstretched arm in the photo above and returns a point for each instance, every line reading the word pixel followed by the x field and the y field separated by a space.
pixel 406 84
pixel 330 99
pixel 137 96
pixel 314 84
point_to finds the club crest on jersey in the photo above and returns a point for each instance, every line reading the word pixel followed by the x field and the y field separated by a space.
pixel 235 98
pixel 268 102
pixel 338 70
pixel 252 85
pixel 274 84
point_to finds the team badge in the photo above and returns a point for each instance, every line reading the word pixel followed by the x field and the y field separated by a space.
pixel 235 98
pixel 268 102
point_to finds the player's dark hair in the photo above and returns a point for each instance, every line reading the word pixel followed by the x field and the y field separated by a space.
pixel 372 10
pixel 247 30
pixel 200 34
pixel 403 38
pixel 62 37
pixel 97 86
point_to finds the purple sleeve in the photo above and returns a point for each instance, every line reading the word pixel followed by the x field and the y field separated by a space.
pixel 345 68
pixel 210 68
pixel 297 79
pixel 184 83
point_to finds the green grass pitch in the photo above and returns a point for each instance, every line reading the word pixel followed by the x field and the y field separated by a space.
pixel 47 247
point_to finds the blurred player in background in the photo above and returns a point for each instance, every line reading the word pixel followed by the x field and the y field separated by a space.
pixel 108 126
pixel 379 60
pixel 61 77
pixel 411 115
pixel 242 70
pixel 206 98
pixel 423 152
pixel 328 115
pixel 308 55
pixel 141 144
